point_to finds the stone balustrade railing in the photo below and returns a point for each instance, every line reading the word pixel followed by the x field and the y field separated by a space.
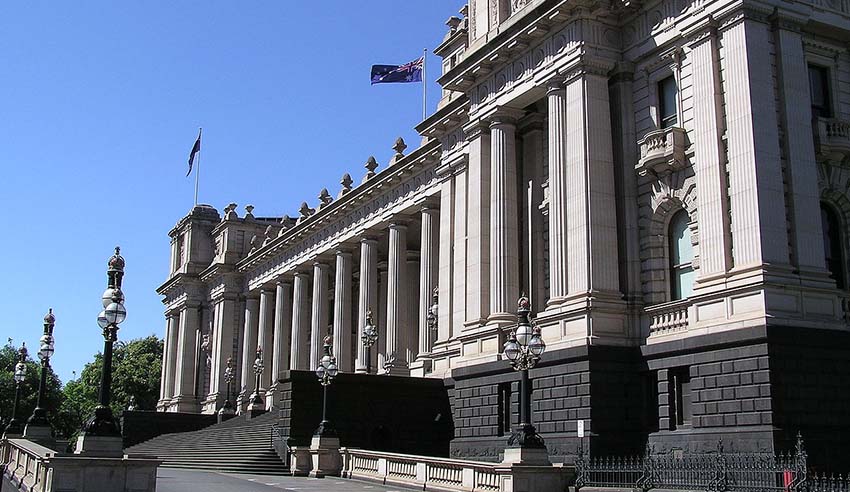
pixel 670 317
pixel 25 465
pixel 833 138
pixel 423 472
pixel 30 467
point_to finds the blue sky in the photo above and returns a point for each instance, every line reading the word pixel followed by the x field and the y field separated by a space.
pixel 100 103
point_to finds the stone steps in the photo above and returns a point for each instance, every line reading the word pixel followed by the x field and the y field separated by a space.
pixel 237 446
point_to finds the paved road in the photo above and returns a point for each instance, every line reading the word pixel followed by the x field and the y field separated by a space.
pixel 174 480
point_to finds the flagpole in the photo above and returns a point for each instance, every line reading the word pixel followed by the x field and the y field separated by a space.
pixel 198 167
pixel 424 84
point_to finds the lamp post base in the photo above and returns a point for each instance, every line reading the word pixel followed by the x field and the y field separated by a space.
pixel 325 429
pixel 100 446
pixel 526 436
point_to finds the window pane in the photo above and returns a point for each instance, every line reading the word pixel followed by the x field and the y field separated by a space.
pixel 819 90
pixel 832 245
pixel 667 102
pixel 681 257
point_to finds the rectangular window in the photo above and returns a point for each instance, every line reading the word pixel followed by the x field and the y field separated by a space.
pixel 680 397
pixel 504 406
pixel 667 95
pixel 819 91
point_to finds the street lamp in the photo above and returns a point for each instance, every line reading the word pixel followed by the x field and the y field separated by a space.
pixel 523 349
pixel 326 372
pixel 14 427
pixel 370 336
pixel 38 426
pixel 103 423
pixel 227 409
pixel 256 398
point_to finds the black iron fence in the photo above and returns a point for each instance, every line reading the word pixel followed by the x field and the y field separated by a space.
pixel 718 471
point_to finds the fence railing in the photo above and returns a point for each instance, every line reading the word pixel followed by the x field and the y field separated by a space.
pixel 423 472
pixel 718 471
pixel 25 464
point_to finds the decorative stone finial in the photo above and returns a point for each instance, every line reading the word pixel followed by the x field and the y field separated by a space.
pixel 399 148
pixel 255 243
pixel 325 198
pixel 346 182
pixel 284 225
pixel 249 212
pixel 305 212
pixel 49 318
pixel 453 23
pixel 371 165
pixel 230 212
pixel 269 235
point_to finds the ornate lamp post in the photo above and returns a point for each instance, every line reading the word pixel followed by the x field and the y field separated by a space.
pixel 227 409
pixel 256 398
pixel 37 425
pixel 523 349
pixel 370 336
pixel 326 372
pixel 14 427
pixel 102 424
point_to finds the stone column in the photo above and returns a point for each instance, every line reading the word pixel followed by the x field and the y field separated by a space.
pixel 558 256
pixel 472 205
pixel 282 331
pixel 379 350
pixel 804 206
pixel 590 195
pixel 225 310
pixel 756 191
pixel 300 353
pixel 342 311
pixel 320 312
pixel 368 298
pixel 411 306
pixel 428 272
pixel 249 350
pixel 169 362
pixel 715 250
pixel 447 267
pixel 396 363
pixel 185 399
pixel 265 335
pixel 504 226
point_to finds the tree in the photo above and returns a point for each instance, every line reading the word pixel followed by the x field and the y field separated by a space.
pixel 29 387
pixel 136 369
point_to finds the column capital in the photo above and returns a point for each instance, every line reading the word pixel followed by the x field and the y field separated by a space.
pixel 504 116
pixel 368 238
pixel 532 122
pixel 343 251
pixel 555 85
pixel 395 223
pixel 283 280
pixel 475 129
pixel 301 274
pixel 586 65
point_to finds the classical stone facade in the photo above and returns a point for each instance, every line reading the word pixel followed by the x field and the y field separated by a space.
pixel 667 180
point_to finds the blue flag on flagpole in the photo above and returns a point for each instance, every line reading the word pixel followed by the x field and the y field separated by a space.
pixel 409 72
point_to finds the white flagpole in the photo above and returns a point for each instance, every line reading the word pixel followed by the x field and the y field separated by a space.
pixel 198 165
pixel 424 84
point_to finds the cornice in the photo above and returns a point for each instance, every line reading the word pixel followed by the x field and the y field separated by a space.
pixel 387 178
pixel 446 118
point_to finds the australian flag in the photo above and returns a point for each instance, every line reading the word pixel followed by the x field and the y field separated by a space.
pixel 409 72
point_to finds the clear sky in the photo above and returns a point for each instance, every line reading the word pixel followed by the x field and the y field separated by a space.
pixel 100 102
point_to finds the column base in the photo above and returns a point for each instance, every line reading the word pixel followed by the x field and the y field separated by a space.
pixel 396 369
pixel 212 403
pixel 184 404
pixel 501 319
pixel 272 397
pixel 422 366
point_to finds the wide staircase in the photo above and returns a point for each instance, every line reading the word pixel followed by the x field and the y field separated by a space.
pixel 235 446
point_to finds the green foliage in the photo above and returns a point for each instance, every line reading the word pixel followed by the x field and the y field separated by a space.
pixel 29 387
pixel 136 369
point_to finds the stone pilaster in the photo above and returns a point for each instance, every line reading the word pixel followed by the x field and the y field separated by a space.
pixel 710 165
pixel 169 362
pixel 411 325
pixel 757 195
pixel 446 259
pixel 265 334
pixel 504 226
pixel 300 350
pixel 558 254
pixel 342 311
pixel 224 311
pixel 282 337
pixel 396 363
pixel 185 399
pixel 474 188
pixel 367 299
pixel 249 351
pixel 319 326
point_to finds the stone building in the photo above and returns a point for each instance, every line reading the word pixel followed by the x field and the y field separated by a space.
pixel 667 180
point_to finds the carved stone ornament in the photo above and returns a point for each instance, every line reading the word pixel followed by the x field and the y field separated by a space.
pixel 346 182
pixel 325 198
pixel 230 212
pixel 662 152
pixel 249 212
pixel 371 165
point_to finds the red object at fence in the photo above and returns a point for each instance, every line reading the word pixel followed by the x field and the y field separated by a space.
pixel 787 479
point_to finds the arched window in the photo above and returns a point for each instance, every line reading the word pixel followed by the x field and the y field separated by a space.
pixel 832 245
pixel 681 257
